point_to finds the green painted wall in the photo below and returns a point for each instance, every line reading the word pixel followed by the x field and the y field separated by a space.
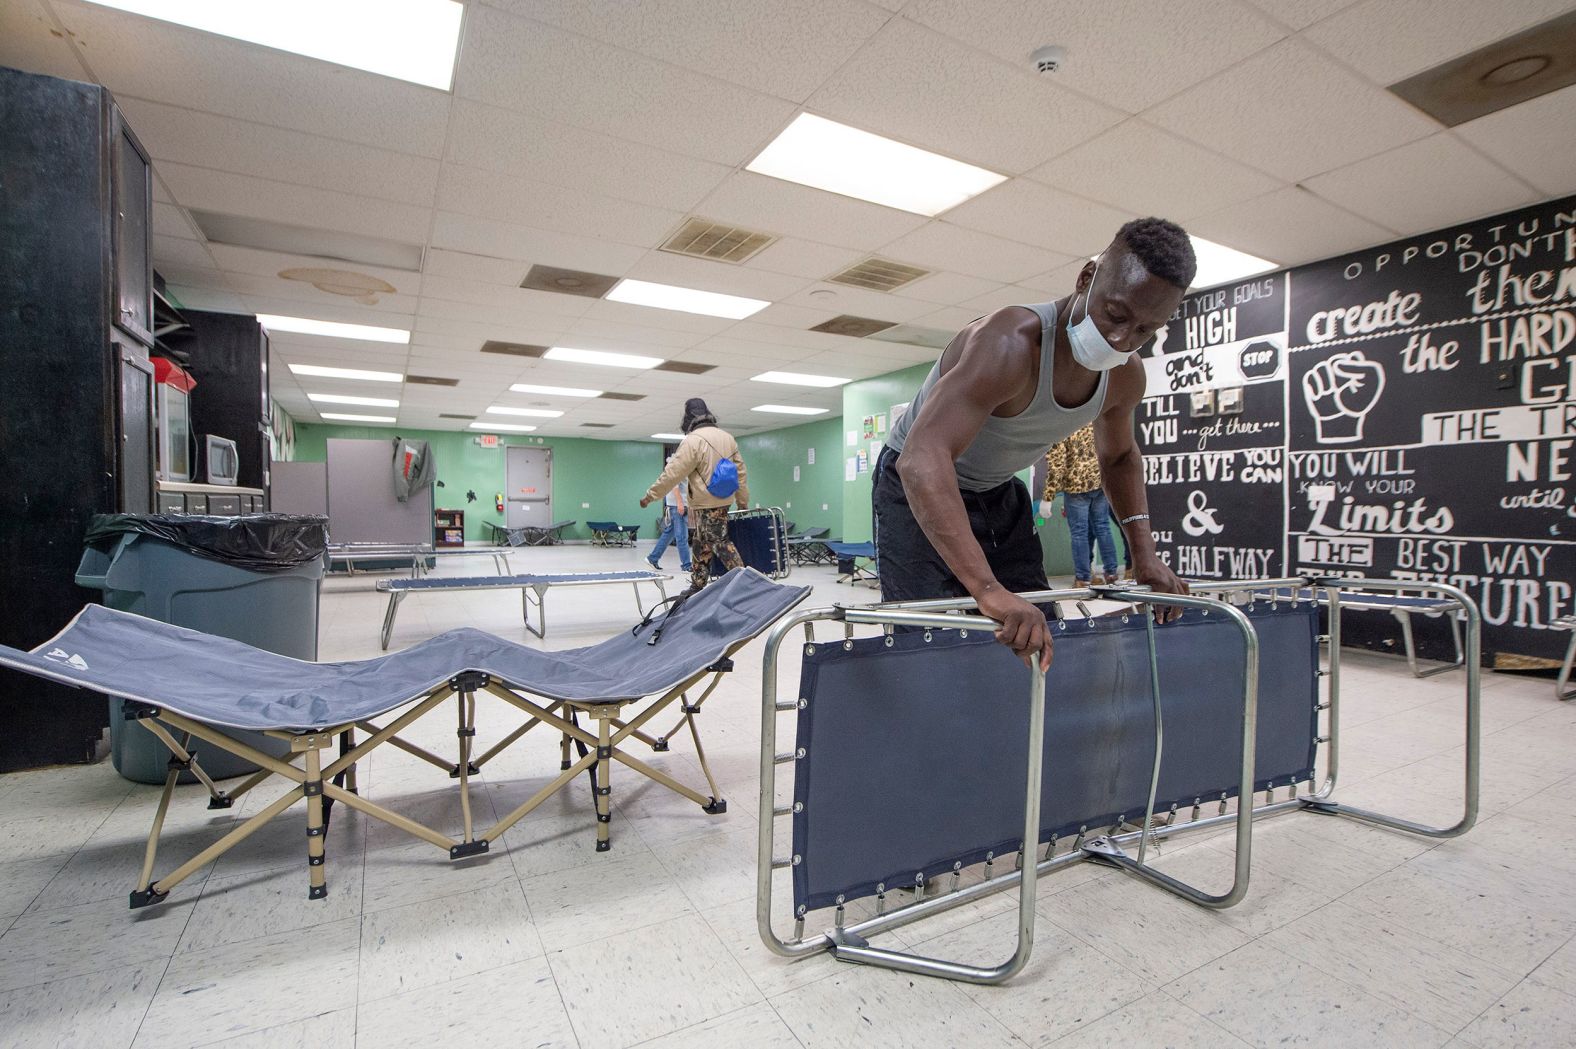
pixel 771 458
pixel 609 475
pixel 869 397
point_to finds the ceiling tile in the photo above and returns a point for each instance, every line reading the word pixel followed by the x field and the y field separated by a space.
pixel 1127 53
pixel 777 47
pixel 1141 169
pixel 171 221
pixel 1389 40
pixel 1424 185
pixel 480 236
pixel 859 302
pixel 29 41
pixel 530 147
pixel 480 269
pixel 180 254
pixel 666 267
pixel 147 58
pixel 488 194
pixel 204 140
pixel 548 305
pixel 942 245
pixel 1292 112
pixel 894 89
pixel 257 263
pixel 803 258
pixel 948 288
pixel 1012 295
pixel 203 297
pixel 785 208
pixel 1532 139
pixel 1032 213
pixel 519 64
pixel 236 194
pixel 1290 227
pixel 1298 14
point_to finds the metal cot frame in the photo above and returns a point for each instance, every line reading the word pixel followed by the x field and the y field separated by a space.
pixel 849 942
pixel 348 554
pixel 538 585
pixel 1562 689
pixel 781 565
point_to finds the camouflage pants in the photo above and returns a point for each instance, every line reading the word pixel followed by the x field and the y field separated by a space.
pixel 709 537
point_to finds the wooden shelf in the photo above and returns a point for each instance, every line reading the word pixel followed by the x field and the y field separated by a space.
pixel 448 528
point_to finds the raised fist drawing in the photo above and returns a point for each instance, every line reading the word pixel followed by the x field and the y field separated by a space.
pixel 1340 391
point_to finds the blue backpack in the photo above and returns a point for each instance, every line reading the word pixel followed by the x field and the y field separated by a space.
pixel 724 480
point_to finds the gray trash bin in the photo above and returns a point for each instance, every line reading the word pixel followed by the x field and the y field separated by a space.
pixel 255 578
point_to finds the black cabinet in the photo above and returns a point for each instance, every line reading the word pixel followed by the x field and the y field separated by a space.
pixel 228 355
pixel 75 404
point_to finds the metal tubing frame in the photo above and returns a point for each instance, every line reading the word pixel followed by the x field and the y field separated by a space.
pixel 1562 689
pixel 779 537
pixel 1109 848
pixel 396 595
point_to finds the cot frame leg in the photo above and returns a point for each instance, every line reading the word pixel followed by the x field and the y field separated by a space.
pixel 316 828
pixel 1404 617
pixel 1562 689
pixel 540 589
pixel 601 776
pixel 395 597
pixel 1323 800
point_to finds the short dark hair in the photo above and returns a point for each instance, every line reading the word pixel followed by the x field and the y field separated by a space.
pixel 1163 247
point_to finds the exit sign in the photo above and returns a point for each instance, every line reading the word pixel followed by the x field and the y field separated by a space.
pixel 488 440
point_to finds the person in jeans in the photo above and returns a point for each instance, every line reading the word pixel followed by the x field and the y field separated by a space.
pixel 675 527
pixel 704 445
pixel 1073 468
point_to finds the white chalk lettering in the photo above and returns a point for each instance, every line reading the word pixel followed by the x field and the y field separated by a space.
pixel 1485 425
pixel 1529 336
pixel 1398 518
pixel 1522 461
pixel 1396 311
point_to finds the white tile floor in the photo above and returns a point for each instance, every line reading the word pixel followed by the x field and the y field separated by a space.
pixel 1351 936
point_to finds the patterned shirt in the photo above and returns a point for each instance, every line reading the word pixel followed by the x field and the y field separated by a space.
pixel 1072 465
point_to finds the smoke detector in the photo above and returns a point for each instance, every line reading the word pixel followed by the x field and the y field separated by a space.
pixel 1050 58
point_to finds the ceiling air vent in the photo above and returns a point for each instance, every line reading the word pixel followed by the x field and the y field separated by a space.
pixel 598 426
pixel 623 396
pixel 879 274
pixel 718 241
pixel 513 349
pixel 1533 62
pixel 431 380
pixel 568 282
pixel 451 415
pixel 857 327
pixel 687 367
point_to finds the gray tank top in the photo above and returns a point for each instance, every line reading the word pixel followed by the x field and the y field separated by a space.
pixel 1005 446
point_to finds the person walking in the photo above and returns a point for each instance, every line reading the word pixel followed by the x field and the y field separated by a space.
pixel 708 460
pixel 675 527
pixel 1073 468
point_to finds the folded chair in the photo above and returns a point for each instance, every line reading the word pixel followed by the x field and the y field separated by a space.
pixel 183 684
pixel 920 754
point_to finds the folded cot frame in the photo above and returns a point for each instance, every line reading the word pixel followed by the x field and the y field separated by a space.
pixel 850 941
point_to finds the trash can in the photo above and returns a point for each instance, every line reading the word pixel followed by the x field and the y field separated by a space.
pixel 254 578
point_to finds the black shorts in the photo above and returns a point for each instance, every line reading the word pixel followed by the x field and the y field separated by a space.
pixel 1001 518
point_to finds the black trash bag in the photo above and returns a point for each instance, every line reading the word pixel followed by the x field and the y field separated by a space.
pixel 259 542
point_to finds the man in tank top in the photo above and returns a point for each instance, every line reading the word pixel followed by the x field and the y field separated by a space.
pixel 951 519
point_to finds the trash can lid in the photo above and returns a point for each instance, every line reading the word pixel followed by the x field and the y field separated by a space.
pixel 260 542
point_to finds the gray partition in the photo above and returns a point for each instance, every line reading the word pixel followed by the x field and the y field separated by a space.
pixel 299 488
pixel 361 503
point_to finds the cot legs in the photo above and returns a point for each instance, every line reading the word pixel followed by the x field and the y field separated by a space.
pixel 388 617
pixel 316 828
pixel 601 775
pixel 1562 689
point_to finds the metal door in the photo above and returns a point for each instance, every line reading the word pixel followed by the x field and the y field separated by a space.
pixel 528 486
pixel 135 457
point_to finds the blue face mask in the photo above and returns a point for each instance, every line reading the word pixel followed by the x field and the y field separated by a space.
pixel 1089 346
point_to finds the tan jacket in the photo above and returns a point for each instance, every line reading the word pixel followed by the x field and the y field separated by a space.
pixel 694 461
pixel 1073 465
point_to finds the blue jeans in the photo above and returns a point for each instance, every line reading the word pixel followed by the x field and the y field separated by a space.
pixel 1089 519
pixel 676 531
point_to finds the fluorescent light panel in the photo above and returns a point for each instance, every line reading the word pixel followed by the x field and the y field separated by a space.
pixel 1218 264
pixel 412 40
pixel 610 360
pixel 668 436
pixel 799 379
pixel 789 409
pixel 341 417
pixel 319 371
pixel 511 427
pixel 553 391
pixel 685 300
pixel 824 154
pixel 333 329
pixel 535 413
pixel 340 398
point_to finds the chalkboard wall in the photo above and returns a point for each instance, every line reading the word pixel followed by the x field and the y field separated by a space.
pixel 1406 412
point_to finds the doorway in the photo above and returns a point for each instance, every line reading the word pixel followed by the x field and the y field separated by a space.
pixel 528 486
